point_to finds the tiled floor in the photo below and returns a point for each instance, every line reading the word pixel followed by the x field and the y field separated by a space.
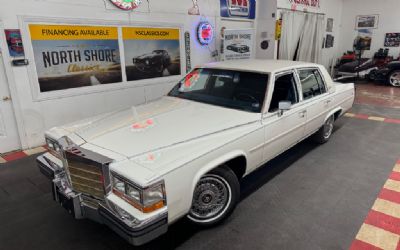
pixel 377 95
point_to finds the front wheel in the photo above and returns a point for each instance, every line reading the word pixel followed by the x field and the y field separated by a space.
pixel 394 78
pixel 324 133
pixel 215 197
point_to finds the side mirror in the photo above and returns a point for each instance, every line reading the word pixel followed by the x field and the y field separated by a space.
pixel 284 106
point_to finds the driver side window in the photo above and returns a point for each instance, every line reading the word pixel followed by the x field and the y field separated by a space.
pixel 284 90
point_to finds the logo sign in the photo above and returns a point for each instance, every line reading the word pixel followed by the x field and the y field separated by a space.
pixel 238 8
pixel 126 4
pixel 205 33
pixel 304 3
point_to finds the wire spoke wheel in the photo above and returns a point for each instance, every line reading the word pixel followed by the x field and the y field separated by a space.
pixel 328 127
pixel 212 196
pixel 394 79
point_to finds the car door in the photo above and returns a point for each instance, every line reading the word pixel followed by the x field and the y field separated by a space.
pixel 315 98
pixel 283 130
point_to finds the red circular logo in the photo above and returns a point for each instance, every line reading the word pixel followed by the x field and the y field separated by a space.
pixel 126 4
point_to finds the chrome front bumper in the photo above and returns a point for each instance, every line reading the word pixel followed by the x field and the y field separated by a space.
pixel 81 206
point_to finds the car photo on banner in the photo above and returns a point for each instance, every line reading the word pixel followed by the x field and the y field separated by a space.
pixel 239 48
pixel 151 52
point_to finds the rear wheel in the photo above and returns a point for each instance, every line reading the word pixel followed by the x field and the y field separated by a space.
pixel 215 197
pixel 394 78
pixel 324 133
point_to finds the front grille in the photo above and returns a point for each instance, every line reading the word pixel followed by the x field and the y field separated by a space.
pixel 86 178
pixel 88 172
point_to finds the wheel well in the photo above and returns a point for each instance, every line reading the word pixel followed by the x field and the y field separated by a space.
pixel 238 166
pixel 337 114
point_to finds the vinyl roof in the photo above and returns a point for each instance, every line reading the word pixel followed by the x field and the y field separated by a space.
pixel 259 65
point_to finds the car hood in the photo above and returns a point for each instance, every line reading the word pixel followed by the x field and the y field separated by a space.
pixel 147 56
pixel 158 125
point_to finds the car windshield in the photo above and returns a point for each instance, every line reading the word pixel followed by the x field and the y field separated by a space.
pixel 227 88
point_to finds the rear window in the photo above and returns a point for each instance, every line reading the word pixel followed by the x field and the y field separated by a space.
pixel 312 83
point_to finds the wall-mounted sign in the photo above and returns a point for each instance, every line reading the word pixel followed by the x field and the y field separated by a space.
pixel 151 52
pixel 187 52
pixel 329 41
pixel 14 42
pixel 238 8
pixel 304 3
pixel 126 4
pixel 205 33
pixel 392 40
pixel 367 22
pixel 278 29
pixel 238 44
pixel 75 56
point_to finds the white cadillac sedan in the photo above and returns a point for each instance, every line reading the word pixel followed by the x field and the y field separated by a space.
pixel 139 170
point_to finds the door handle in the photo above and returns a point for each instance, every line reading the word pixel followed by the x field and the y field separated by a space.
pixel 328 101
pixel 302 114
pixel 6 98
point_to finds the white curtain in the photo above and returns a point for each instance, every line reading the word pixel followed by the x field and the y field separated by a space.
pixel 310 45
pixel 292 25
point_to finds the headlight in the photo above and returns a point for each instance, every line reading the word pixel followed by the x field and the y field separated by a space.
pixel 133 193
pixel 146 200
pixel 118 185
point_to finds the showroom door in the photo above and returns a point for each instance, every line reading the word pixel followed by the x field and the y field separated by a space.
pixel 9 139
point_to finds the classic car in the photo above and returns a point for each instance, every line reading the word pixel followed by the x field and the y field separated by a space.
pixel 154 62
pixel 363 67
pixel 141 169
pixel 389 74
pixel 239 48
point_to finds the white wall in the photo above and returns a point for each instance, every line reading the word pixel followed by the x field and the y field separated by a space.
pixel 331 9
pixel 36 116
pixel 388 11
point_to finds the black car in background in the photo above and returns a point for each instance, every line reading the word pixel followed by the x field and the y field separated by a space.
pixel 154 63
pixel 239 48
pixel 389 74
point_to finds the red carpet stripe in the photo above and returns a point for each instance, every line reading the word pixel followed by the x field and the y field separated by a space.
pixel 360 245
pixel 395 176
pixel 395 121
pixel 383 221
pixel 389 195
pixel 14 156
pixel 362 116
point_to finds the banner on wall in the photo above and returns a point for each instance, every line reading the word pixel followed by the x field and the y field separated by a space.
pixel 304 3
pixel 151 52
pixel 75 56
pixel 238 8
pixel 238 44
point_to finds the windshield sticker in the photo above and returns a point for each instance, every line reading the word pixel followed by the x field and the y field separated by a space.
pixel 190 80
